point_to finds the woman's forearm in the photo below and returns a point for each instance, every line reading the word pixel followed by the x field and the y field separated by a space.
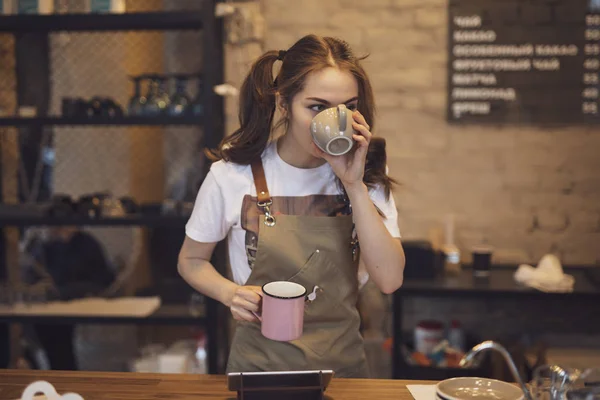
pixel 202 276
pixel 382 254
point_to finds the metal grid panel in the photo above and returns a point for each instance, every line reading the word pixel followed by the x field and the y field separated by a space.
pixel 8 101
pixel 121 160
pixel 98 64
pixel 7 74
pixel 146 162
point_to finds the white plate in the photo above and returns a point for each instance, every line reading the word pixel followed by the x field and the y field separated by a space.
pixel 477 389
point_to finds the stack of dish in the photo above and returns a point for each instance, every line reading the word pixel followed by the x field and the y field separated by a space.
pixel 477 389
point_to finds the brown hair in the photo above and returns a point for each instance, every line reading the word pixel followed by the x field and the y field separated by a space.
pixel 258 101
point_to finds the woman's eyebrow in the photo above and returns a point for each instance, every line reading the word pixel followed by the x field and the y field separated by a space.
pixel 327 103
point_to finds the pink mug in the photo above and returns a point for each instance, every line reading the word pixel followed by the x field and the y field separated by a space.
pixel 282 316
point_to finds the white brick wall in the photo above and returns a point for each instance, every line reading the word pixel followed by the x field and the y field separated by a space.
pixel 525 190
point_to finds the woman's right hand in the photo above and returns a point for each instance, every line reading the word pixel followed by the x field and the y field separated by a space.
pixel 246 299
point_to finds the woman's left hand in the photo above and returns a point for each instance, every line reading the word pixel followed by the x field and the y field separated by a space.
pixel 350 167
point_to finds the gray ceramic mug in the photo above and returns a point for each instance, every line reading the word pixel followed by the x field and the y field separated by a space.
pixel 332 131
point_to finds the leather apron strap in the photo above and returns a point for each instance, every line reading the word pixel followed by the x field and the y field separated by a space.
pixel 258 172
pixel 262 191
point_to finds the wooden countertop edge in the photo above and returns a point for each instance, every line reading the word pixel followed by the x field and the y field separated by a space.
pixel 138 386
pixel 163 377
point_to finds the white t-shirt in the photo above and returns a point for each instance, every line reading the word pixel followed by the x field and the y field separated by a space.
pixel 225 205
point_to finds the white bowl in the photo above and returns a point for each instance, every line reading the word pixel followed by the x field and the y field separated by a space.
pixel 477 389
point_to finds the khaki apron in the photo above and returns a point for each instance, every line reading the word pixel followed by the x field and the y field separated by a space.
pixel 311 251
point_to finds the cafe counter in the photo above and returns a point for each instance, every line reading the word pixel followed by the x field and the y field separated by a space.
pixel 141 386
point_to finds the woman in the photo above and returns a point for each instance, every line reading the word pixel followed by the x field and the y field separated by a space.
pixel 323 207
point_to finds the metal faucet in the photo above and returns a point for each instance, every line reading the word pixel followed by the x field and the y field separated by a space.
pixel 468 359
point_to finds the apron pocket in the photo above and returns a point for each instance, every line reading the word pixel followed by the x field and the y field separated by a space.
pixel 252 352
pixel 324 317
pixel 322 330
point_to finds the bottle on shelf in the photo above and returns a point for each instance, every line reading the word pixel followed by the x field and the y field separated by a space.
pixel 451 252
pixel 180 102
pixel 7 7
pixel 163 95
pixel 197 104
pixel 200 356
pixel 137 103
pixel 105 6
pixel 456 336
pixel 157 100
pixel 35 6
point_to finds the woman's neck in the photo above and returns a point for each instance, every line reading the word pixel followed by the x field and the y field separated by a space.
pixel 291 152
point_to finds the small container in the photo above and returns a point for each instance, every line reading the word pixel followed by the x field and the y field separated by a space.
pixel 456 336
pixel 200 354
pixel 451 255
pixel 450 250
pixel 27 111
pixel 106 6
pixel 35 6
pixel 428 334
pixel 7 7
pixel 482 261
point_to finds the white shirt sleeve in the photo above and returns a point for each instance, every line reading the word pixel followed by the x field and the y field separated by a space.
pixel 208 222
pixel 388 207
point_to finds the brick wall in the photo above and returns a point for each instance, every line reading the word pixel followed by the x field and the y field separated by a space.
pixel 524 190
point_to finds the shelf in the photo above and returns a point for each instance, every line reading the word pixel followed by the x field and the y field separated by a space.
pixel 168 314
pixel 181 20
pixel 154 220
pixel 84 121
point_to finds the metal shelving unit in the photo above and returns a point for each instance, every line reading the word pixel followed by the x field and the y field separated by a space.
pixel 102 22
pixel 212 123
pixel 117 121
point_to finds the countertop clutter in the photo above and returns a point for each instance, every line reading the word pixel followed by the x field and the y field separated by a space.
pixel 140 386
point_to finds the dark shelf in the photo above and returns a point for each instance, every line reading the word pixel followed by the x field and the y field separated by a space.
pixel 181 20
pixel 143 220
pixel 501 284
pixel 170 314
pixel 140 121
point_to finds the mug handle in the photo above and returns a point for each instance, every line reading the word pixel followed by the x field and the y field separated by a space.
pixel 342 118
pixel 258 315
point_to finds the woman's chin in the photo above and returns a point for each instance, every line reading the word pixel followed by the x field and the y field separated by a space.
pixel 315 151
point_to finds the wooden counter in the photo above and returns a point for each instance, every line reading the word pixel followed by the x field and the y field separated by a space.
pixel 137 386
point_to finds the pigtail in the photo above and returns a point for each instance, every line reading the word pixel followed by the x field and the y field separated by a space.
pixel 256 112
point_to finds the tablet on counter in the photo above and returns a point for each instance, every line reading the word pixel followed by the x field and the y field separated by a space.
pixel 316 379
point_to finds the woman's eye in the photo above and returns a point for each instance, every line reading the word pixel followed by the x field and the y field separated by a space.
pixel 317 107
pixel 351 107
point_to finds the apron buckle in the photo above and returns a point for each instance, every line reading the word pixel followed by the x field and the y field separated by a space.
pixel 355 246
pixel 266 206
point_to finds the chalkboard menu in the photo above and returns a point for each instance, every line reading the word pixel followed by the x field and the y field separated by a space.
pixel 524 61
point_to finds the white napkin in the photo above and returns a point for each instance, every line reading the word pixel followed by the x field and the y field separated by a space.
pixel 547 277
pixel 422 392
